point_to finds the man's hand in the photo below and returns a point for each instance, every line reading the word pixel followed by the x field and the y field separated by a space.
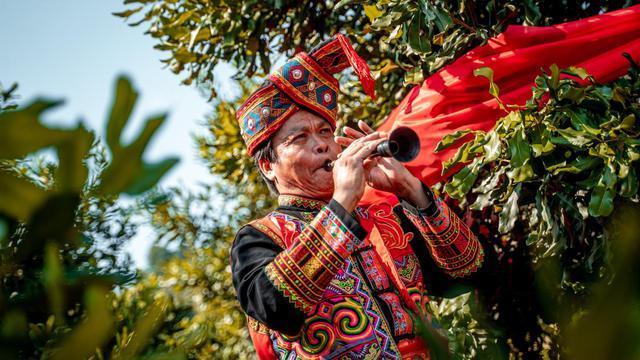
pixel 351 169
pixel 386 174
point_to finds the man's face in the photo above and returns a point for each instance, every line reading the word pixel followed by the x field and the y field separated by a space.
pixel 304 145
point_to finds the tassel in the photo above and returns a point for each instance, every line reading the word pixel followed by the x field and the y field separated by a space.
pixel 359 66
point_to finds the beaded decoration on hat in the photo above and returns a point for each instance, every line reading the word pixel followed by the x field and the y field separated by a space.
pixel 304 82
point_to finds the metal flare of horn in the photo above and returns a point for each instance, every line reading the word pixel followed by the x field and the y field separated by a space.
pixel 403 145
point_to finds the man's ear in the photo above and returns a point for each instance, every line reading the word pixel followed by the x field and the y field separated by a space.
pixel 267 169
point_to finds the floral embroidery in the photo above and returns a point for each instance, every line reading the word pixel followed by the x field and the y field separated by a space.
pixel 374 270
pixel 388 224
pixel 402 322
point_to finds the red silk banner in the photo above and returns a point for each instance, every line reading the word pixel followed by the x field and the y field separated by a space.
pixel 454 99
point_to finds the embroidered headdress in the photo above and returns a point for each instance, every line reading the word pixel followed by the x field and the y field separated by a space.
pixel 304 82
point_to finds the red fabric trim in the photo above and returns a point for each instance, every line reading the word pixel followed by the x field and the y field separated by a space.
pixel 360 66
pixel 262 344
pixel 255 99
pixel 266 133
pixel 297 97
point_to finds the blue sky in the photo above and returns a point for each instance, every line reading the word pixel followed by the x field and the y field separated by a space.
pixel 74 50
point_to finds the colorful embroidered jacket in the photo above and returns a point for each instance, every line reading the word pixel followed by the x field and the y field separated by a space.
pixel 319 283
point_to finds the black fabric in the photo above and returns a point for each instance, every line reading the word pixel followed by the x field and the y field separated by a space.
pixel 251 252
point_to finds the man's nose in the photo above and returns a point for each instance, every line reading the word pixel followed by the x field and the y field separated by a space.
pixel 320 145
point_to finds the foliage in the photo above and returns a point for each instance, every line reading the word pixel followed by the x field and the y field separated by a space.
pixel 550 173
pixel 7 97
pixel 58 245
pixel 201 318
pixel 405 41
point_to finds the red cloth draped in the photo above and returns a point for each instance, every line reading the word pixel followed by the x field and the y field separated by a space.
pixel 454 99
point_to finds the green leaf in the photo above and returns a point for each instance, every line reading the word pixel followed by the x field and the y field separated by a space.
pixel 601 203
pixel 151 174
pixel 126 13
pixel 462 155
pixel 519 149
pixel 492 148
pixel 22 133
pixel 509 213
pixel 418 40
pixel 19 198
pixel 487 72
pixel 522 173
pixel 92 333
pixel 71 173
pixel 121 108
pixel 578 165
pixel 372 12
pixel 145 328
pixel 540 142
pixel 629 185
pixel 127 166
pixel 555 76
pixel 574 137
pixel 462 182
pixel 576 71
pixel 488 189
pixel 53 281
pixel 628 122
pixel 450 139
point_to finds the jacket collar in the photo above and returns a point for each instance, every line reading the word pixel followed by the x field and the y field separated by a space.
pixel 301 202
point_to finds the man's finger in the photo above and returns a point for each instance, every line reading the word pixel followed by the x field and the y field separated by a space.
pixel 343 141
pixel 358 144
pixel 365 127
pixel 353 132
pixel 368 148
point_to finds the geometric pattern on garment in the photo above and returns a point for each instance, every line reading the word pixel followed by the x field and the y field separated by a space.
pixel 408 268
pixel 453 246
pixel 344 326
pixel 308 264
pixel 402 321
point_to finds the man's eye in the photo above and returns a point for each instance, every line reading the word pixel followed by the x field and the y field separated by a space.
pixel 326 131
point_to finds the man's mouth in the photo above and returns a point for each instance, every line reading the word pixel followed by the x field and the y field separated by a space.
pixel 328 165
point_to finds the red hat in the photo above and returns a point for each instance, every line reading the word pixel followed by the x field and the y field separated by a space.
pixel 304 82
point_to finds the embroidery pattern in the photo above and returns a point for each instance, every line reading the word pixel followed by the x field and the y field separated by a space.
pixel 343 327
pixel 308 85
pixel 388 224
pixel 261 115
pixel 257 326
pixel 301 202
pixel 452 244
pixel 408 268
pixel 402 322
pixel 306 267
pixel 374 270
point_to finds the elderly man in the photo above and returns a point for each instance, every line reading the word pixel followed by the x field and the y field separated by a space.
pixel 320 276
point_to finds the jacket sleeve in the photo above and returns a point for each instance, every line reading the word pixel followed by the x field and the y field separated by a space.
pixel 443 237
pixel 280 287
